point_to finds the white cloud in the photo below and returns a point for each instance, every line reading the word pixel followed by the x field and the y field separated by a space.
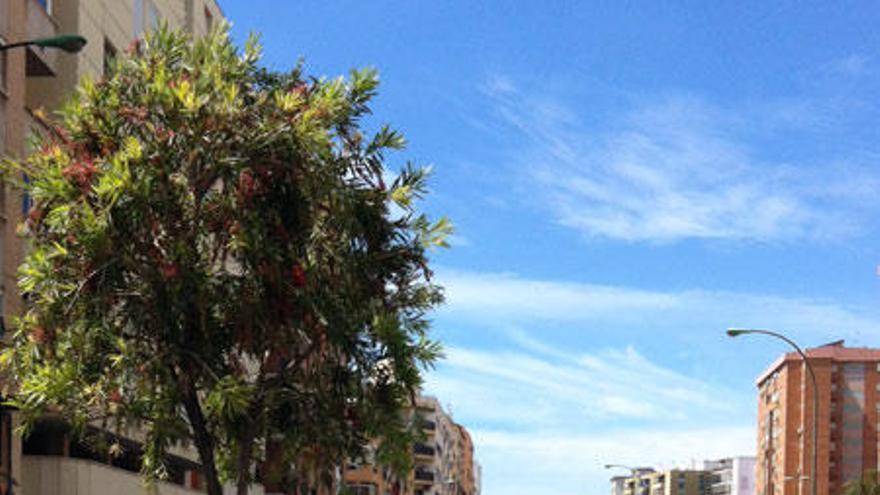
pixel 538 463
pixel 508 297
pixel 677 169
pixel 854 65
pixel 608 385
pixel 546 416
pixel 545 420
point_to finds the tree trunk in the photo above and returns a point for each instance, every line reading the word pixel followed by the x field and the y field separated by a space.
pixel 201 436
pixel 243 467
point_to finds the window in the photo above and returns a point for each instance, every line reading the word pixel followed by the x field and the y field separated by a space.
pixel 2 66
pixel 137 24
pixel 362 489
pixel 209 20
pixel 152 15
pixel 109 56
pixel 47 5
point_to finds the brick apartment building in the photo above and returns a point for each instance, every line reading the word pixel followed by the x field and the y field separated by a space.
pixel 848 382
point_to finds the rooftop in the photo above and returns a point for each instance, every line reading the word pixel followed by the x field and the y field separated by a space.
pixel 835 351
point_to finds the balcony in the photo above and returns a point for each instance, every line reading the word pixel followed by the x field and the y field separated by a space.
pixel 429 425
pixel 40 62
pixel 421 449
pixel 55 475
pixel 422 476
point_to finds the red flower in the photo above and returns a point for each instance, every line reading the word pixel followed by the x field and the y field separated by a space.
pixel 169 270
pixel 246 185
pixel 80 173
pixel 134 47
pixel 35 215
pixel 40 335
pixel 299 276
pixel 300 89
pixel 115 396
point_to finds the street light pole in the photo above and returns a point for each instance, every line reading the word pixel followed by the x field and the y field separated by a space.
pixel 70 43
pixel 735 332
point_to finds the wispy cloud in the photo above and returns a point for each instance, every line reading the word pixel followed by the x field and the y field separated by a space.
pixel 541 414
pixel 547 416
pixel 607 386
pixel 511 298
pixel 855 65
pixel 571 464
pixel 675 169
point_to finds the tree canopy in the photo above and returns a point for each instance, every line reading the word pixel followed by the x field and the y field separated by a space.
pixel 218 255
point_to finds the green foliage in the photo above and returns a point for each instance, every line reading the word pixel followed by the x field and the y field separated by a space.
pixel 867 485
pixel 214 258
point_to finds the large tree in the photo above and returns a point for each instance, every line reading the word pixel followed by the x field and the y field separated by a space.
pixel 216 255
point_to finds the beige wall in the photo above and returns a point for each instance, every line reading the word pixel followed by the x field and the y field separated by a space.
pixel 53 475
pixel 50 475
pixel 97 20
pixel 113 22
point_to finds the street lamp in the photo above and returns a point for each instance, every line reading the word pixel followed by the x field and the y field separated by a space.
pixel 736 332
pixel 70 43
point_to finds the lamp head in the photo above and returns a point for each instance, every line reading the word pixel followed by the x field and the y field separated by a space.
pixel 70 43
pixel 735 332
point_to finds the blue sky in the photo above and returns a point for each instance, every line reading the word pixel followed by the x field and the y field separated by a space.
pixel 627 179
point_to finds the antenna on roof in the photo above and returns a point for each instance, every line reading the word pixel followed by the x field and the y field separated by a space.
pixel 836 343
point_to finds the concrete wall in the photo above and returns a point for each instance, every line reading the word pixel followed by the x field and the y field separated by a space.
pixel 50 475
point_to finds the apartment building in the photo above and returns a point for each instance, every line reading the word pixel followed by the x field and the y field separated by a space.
pixel 666 482
pixel 633 484
pixel 444 461
pixel 32 81
pixel 732 475
pixel 848 382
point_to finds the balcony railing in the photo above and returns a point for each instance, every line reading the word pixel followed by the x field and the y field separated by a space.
pixel 422 449
pixel 424 475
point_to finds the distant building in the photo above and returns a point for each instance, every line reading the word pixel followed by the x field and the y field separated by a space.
pixel 618 485
pixel 848 380
pixel 625 484
pixel 444 461
pixel 647 481
pixel 732 475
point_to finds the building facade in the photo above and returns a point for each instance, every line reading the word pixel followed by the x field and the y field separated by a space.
pixel 443 462
pixel 646 481
pixel 34 82
pixel 848 382
pixel 732 475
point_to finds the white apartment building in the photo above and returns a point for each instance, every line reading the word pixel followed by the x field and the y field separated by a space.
pixel 732 475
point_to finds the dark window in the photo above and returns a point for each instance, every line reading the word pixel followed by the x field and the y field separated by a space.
pixel 109 56
pixel 209 20
pixel 46 438
pixel 2 66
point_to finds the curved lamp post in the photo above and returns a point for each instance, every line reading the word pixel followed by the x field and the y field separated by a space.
pixel 70 43
pixel 736 332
